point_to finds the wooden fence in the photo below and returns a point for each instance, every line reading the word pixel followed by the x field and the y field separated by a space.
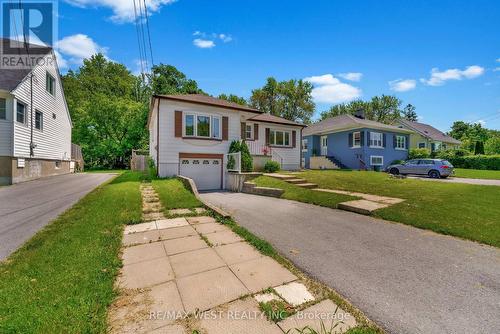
pixel 139 162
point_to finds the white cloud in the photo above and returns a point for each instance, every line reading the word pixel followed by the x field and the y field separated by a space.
pixel 481 122
pixel 76 48
pixel 123 10
pixel 351 76
pixel 401 85
pixel 329 89
pixel 225 38
pixel 439 78
pixel 496 69
pixel 203 43
pixel 498 60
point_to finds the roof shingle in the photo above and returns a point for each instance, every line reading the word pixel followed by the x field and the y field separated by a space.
pixel 208 100
pixel 429 131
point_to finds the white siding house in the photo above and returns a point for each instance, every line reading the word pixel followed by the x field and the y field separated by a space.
pixel 46 127
pixel 190 135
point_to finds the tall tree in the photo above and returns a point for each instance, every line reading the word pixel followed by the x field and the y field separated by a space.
pixel 167 79
pixel 409 113
pixel 291 99
pixel 233 98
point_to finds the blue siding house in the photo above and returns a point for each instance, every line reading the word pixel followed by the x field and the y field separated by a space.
pixel 353 142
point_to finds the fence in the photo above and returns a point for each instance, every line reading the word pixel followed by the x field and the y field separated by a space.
pixel 234 162
pixel 139 162
pixel 77 158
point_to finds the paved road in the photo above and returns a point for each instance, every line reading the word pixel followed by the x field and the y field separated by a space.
pixel 405 279
pixel 482 182
pixel 26 207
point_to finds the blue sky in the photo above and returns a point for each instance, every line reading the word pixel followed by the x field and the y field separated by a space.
pixel 440 56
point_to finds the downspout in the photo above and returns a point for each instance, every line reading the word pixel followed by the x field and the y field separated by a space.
pixel 32 145
pixel 158 138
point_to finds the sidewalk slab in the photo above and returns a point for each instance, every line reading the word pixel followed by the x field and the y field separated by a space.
pixel 164 298
pixel 251 321
pixel 182 245
pixel 129 229
pixel 265 297
pixel 141 238
pixel 223 238
pixel 194 262
pixel 200 211
pixel 170 223
pixel 262 273
pixel 200 220
pixel 217 287
pixel 237 252
pixel 311 317
pixel 142 253
pixel 211 228
pixel 177 232
pixel 170 329
pixel 294 293
pixel 145 274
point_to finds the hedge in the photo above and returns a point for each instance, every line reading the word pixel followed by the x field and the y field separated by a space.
pixel 491 162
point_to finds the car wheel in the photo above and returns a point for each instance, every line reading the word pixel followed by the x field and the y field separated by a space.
pixel 434 174
pixel 394 171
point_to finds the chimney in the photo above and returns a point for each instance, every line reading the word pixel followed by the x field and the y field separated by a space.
pixel 360 113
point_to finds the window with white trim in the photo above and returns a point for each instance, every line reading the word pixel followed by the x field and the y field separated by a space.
pixel 304 145
pixel 50 83
pixel 249 131
pixel 21 113
pixel 3 109
pixel 401 142
pixel 356 139
pixel 279 138
pixel 376 160
pixel 376 139
pixel 422 145
pixel 203 126
pixel 38 120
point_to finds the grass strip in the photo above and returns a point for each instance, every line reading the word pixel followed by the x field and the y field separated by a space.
pixel 174 195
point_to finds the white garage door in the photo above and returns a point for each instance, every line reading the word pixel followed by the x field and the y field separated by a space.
pixel 206 173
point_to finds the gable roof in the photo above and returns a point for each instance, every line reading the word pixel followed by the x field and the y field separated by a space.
pixel 429 131
pixel 11 78
pixel 268 118
pixel 209 101
pixel 347 122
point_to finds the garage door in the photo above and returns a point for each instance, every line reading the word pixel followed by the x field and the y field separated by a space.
pixel 206 173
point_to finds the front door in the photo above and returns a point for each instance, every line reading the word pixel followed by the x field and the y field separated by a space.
pixel 324 145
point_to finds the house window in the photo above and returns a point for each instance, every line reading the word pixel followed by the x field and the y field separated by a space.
pixel 401 142
pixel 421 145
pixel 50 83
pixel 38 120
pixel 198 125
pixel 58 165
pixel 376 160
pixel 356 139
pixel 3 109
pixel 279 138
pixel 249 131
pixel 304 145
pixel 376 139
pixel 21 113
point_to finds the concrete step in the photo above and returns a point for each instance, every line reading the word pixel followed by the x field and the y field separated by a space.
pixel 307 185
pixel 295 181
pixel 283 177
pixel 361 206
pixel 251 188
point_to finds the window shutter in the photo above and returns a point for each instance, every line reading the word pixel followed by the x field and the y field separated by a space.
pixel 394 141
pixel 384 140
pixel 294 138
pixel 367 139
pixel 243 130
pixel 225 128
pixel 407 141
pixel 350 139
pixel 178 123
pixel 362 134
pixel 256 131
pixel 268 134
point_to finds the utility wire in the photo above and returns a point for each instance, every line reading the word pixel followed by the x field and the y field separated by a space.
pixel 143 36
pixel 141 58
pixel 149 33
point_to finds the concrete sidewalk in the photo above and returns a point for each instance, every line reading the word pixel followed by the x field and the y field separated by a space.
pixel 480 182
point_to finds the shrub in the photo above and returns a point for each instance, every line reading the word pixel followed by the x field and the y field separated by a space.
pixel 246 158
pixel 419 153
pixel 271 166
pixel 491 162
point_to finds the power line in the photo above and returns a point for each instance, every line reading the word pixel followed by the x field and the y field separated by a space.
pixel 149 33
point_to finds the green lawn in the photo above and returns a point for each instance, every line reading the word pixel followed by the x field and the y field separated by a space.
pixel 296 193
pixel 463 210
pixel 118 171
pixel 478 173
pixel 61 281
pixel 174 195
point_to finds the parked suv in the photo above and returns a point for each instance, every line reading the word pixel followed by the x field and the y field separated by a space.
pixel 435 168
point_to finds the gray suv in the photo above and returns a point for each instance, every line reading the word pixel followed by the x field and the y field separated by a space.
pixel 435 168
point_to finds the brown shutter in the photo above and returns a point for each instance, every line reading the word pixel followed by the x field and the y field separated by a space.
pixel 294 138
pixel 256 131
pixel 268 134
pixel 178 123
pixel 225 128
pixel 243 130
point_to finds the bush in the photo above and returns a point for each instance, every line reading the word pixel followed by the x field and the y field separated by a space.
pixel 246 158
pixel 271 166
pixel 491 162
pixel 419 153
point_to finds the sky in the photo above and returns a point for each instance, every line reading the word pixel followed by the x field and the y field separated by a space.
pixel 441 56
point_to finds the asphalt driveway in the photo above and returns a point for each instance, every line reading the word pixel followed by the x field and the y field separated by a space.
pixel 405 279
pixel 26 207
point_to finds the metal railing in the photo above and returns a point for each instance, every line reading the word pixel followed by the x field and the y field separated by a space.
pixel 256 148
pixel 275 156
pixel 233 162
